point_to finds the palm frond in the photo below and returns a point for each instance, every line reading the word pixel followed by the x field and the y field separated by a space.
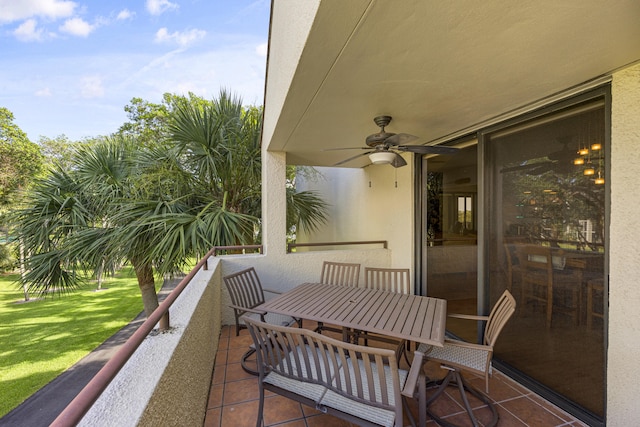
pixel 305 209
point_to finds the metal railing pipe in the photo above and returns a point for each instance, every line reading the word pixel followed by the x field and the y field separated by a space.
pixel 360 242
pixel 217 249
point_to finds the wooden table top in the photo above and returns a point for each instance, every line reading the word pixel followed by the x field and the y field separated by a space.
pixel 411 317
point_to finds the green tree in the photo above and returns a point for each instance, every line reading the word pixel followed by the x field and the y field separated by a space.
pixel 147 121
pixel 221 142
pixel 20 163
pixel 56 150
pixel 21 159
pixel 151 205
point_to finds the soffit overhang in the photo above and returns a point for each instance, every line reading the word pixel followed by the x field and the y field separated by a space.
pixel 439 67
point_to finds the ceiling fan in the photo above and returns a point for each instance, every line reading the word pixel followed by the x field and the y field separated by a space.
pixel 383 147
pixel 560 161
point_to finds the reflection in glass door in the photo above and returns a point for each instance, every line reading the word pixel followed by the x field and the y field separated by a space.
pixel 450 234
pixel 546 243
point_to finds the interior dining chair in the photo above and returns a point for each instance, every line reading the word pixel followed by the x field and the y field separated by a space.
pixel 568 284
pixel 553 280
pixel 342 274
pixel 246 293
pixel 537 278
pixel 458 356
pixel 397 280
pixel 514 265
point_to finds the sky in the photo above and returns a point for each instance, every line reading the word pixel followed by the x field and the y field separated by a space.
pixel 70 67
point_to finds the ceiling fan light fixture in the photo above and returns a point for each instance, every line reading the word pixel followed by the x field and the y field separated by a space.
pixel 382 157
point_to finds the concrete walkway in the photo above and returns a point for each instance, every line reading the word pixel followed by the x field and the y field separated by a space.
pixel 42 407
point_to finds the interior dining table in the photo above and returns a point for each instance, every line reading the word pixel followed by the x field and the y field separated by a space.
pixel 401 316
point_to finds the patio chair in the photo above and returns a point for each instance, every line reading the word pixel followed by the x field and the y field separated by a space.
pixel 388 279
pixel 457 356
pixel 396 280
pixel 359 384
pixel 246 294
pixel 338 273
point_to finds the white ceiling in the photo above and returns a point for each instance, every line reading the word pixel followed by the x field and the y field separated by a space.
pixel 439 67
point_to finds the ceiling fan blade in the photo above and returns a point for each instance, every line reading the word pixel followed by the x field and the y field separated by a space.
pixel 542 168
pixel 526 166
pixel 398 162
pixel 351 158
pixel 427 149
pixel 347 148
pixel 400 138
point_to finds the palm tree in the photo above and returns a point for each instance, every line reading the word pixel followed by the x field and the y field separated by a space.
pixel 220 142
pixel 153 207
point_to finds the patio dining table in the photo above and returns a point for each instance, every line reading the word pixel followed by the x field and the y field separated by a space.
pixel 401 316
pixel 410 317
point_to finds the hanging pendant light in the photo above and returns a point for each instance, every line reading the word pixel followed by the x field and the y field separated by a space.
pixel 599 180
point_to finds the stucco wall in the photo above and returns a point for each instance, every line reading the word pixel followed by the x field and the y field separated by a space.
pixel 623 370
pixel 171 372
pixel 380 200
pixel 292 20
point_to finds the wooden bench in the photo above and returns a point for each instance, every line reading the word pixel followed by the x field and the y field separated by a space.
pixel 359 384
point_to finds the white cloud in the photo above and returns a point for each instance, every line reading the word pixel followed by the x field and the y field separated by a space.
pixel 236 67
pixel 182 39
pixel 12 10
pixel 45 92
pixel 28 32
pixel 261 49
pixel 125 14
pixel 158 7
pixel 91 87
pixel 77 27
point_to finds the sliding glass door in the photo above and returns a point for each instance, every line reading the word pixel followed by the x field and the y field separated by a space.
pixel 546 244
pixel 451 234
pixel 540 196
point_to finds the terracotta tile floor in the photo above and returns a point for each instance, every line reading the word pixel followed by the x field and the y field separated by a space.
pixel 233 398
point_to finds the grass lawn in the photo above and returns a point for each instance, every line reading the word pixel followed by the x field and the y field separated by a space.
pixel 41 339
